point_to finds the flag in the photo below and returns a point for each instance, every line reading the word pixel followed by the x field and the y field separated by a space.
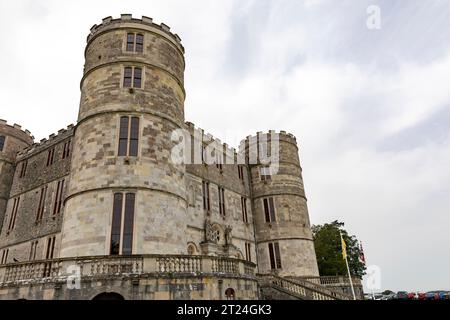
pixel 361 254
pixel 344 248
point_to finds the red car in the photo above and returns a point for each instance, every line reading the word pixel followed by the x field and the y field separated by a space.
pixel 421 296
pixel 411 295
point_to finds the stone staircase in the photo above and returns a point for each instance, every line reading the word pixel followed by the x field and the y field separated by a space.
pixel 279 288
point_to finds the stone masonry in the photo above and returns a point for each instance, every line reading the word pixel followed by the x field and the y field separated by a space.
pixel 63 208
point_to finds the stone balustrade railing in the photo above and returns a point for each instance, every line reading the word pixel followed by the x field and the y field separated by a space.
pixel 334 280
pixel 303 288
pixel 100 266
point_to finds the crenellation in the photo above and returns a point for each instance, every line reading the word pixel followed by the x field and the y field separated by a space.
pixel 70 184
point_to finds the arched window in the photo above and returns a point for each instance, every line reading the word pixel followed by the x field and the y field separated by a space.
pixel 191 249
pixel 230 294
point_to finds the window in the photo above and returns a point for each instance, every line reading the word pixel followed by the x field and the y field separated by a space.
pixel 49 252
pixel 33 251
pixel 203 154
pixel 241 172
pixel 23 168
pixel 50 156
pixel 2 142
pixel 269 210
pixel 50 248
pixel 206 202
pixel 135 42
pixel 132 77
pixel 4 256
pixel 12 219
pixel 41 206
pixel 265 173
pixel 129 136
pixel 58 199
pixel 248 254
pixel 122 224
pixel 244 209
pixel 222 201
pixel 219 161
pixel 274 255
pixel 66 151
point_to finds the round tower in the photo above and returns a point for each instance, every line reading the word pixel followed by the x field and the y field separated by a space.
pixel 284 239
pixel 125 195
pixel 12 140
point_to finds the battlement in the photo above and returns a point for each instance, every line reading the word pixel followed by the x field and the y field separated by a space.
pixel 45 143
pixel 282 135
pixel 109 22
pixel 17 128
pixel 209 138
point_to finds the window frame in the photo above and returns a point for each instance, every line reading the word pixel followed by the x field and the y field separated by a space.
pixel 128 139
pixel 120 215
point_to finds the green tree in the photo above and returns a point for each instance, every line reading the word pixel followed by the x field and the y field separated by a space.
pixel 327 242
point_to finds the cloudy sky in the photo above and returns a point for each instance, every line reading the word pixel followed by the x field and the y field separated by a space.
pixel 370 108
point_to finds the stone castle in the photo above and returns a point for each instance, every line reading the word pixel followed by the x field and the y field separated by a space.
pixel 100 209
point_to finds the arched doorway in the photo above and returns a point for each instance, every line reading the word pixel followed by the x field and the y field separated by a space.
pixel 230 294
pixel 108 296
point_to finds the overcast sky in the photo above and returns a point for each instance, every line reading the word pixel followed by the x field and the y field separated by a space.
pixel 370 108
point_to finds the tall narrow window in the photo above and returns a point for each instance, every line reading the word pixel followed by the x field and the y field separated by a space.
pixel 23 168
pixel 49 253
pixel 206 202
pixel 41 206
pixel 139 42
pixel 130 41
pixel 66 150
pixel 222 201
pixel 129 136
pixel 265 173
pixel 135 42
pixel 128 225
pixel 12 219
pixel 4 256
pixel 33 250
pixel 244 209
pixel 122 224
pixel 127 77
pixel 248 254
pixel 274 255
pixel 58 199
pixel 241 172
pixel 132 77
pixel 269 209
pixel 50 156
pixel 50 250
pixel 116 224
pixel 2 142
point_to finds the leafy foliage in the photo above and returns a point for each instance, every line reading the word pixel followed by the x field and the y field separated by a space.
pixel 327 242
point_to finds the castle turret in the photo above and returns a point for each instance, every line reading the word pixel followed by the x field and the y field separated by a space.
pixel 12 140
pixel 126 196
pixel 283 234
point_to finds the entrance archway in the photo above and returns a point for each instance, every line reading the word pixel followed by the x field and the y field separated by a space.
pixel 108 296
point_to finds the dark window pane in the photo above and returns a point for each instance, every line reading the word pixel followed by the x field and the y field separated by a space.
pixel 134 136
pixel 277 255
pixel 127 77
pixel 139 48
pixel 130 42
pixel 266 210
pixel 123 136
pixel 116 223
pixel 137 77
pixel 128 224
pixel 139 39
pixel 271 256
pixel 272 210
pixel 2 142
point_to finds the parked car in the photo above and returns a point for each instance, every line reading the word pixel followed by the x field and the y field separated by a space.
pixel 411 295
pixel 402 295
pixel 421 296
pixel 432 295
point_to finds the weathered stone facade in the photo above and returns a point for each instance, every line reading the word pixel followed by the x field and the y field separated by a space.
pixel 72 198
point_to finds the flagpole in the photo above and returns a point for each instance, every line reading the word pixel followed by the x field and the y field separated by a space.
pixel 348 270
